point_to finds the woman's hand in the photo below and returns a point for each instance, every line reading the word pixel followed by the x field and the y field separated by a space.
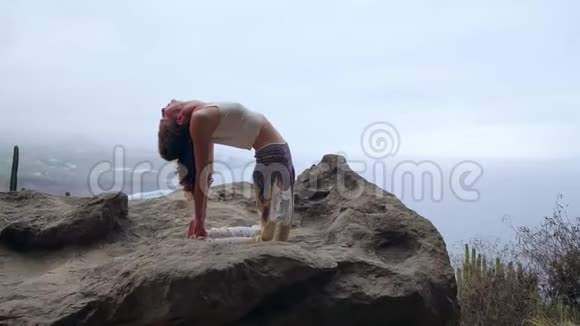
pixel 196 229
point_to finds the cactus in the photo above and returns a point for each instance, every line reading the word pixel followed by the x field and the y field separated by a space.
pixel 494 290
pixel 520 271
pixel 484 270
pixel 476 267
pixel 466 259
pixel 14 172
pixel 459 280
pixel 511 273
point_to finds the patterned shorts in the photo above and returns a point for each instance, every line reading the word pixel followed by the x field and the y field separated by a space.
pixel 273 179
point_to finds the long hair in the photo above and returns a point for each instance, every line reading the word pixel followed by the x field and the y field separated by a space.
pixel 175 143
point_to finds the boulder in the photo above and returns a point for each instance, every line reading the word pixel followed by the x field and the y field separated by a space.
pixel 356 256
pixel 31 220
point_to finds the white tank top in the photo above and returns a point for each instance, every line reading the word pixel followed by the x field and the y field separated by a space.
pixel 238 126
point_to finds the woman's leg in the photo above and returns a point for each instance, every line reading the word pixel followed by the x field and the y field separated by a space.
pixel 274 188
pixel 283 232
pixel 284 210
pixel 263 203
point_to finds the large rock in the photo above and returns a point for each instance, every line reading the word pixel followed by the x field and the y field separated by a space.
pixel 357 256
pixel 30 220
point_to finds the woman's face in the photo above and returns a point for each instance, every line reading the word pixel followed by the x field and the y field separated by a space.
pixel 171 112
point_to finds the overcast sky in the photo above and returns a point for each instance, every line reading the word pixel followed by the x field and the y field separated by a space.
pixel 468 79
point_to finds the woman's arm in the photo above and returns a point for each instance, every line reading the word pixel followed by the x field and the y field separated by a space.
pixel 209 176
pixel 200 131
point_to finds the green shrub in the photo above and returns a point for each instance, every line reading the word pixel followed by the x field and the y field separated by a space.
pixel 555 315
pixel 494 294
pixel 544 291
pixel 553 249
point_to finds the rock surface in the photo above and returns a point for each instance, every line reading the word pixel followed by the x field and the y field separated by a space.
pixel 356 256
pixel 30 220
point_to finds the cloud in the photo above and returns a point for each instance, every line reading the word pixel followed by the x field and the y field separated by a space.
pixel 320 71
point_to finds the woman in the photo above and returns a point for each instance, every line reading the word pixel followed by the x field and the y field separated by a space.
pixel 187 133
